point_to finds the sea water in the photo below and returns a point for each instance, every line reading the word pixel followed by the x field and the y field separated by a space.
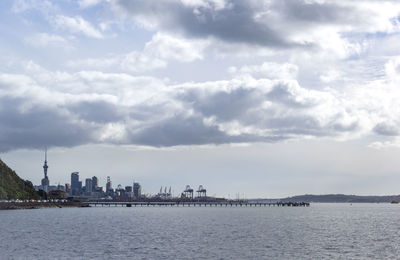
pixel 321 231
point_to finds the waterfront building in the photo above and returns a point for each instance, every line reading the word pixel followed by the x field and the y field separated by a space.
pixel 57 194
pixel 45 180
pixel 76 185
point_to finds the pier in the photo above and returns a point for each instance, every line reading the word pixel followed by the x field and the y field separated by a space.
pixel 68 204
pixel 194 204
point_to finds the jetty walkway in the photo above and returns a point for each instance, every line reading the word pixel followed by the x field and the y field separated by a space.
pixel 194 204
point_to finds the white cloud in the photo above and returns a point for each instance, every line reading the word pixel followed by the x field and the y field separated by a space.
pixel 136 61
pixel 174 48
pixel 395 142
pixel 330 76
pixel 392 69
pixel 156 54
pixel 95 63
pixel 77 25
pixel 270 70
pixel 48 40
pixel 88 3
pixel 23 5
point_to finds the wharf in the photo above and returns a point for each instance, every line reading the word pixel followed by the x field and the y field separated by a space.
pixel 194 204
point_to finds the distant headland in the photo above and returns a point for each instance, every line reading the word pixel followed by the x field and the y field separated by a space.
pixel 339 198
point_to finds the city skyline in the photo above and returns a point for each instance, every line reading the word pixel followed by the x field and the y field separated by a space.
pixel 91 188
pixel 265 98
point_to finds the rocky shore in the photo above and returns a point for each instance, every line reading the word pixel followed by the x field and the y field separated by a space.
pixel 38 205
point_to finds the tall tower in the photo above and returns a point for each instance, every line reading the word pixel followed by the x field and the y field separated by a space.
pixel 45 180
pixel 45 167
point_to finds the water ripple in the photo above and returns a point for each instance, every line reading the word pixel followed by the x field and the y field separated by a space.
pixel 323 231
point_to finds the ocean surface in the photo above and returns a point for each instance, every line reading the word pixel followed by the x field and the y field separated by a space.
pixel 322 231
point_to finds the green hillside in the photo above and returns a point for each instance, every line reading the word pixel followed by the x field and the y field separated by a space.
pixel 13 187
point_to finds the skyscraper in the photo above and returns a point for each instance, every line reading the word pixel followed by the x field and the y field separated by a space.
pixel 109 189
pixel 137 190
pixel 95 183
pixel 45 180
pixel 88 185
pixel 76 185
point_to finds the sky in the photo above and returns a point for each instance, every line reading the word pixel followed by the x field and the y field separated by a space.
pixel 247 98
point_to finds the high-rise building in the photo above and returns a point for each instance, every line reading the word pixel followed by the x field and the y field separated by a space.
pixel 95 183
pixel 129 192
pixel 76 185
pixel 137 190
pixel 88 185
pixel 45 180
pixel 68 188
pixel 109 188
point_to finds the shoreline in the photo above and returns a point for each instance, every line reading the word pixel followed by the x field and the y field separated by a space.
pixel 39 205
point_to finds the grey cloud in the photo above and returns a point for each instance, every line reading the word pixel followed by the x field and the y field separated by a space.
pixel 97 111
pixel 223 104
pixel 190 130
pixel 237 111
pixel 178 130
pixel 346 128
pixel 38 126
pixel 291 110
pixel 316 12
pixel 234 24
pixel 144 112
pixel 386 129
pixel 263 23
pixel 295 124
pixel 302 124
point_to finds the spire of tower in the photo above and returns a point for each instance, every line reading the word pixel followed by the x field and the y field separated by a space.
pixel 45 180
pixel 45 167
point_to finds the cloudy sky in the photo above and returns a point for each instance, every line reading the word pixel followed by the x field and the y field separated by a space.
pixel 261 98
